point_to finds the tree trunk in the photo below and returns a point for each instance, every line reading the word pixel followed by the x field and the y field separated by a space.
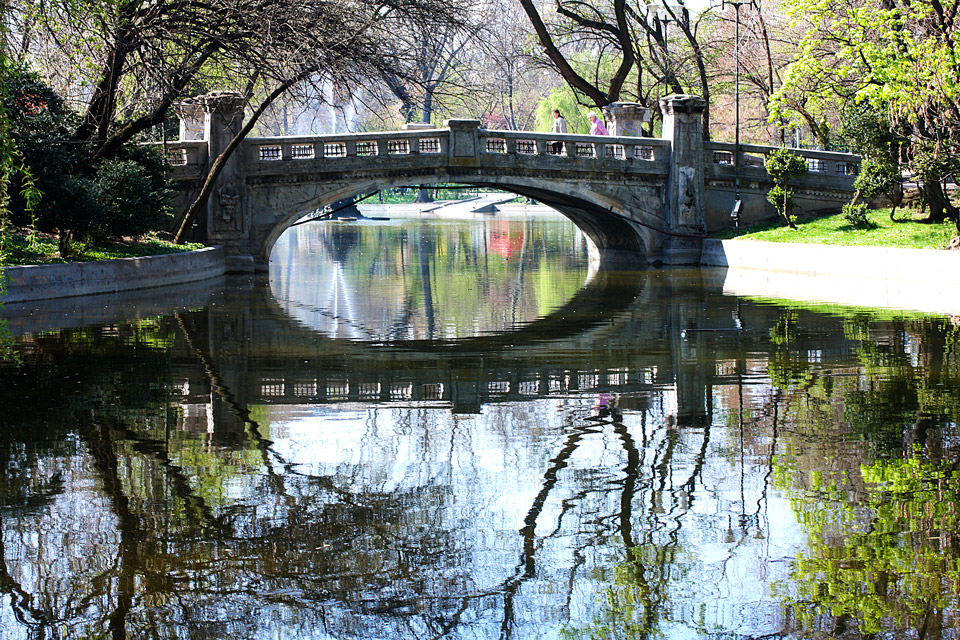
pixel 112 143
pixel 702 77
pixel 937 199
pixel 96 121
pixel 786 211
pixel 428 104
pixel 896 197
pixel 567 72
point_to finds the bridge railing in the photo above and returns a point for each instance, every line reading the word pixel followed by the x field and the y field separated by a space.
pixel 425 142
pixel 575 146
pixel 348 145
pixel 188 154
pixel 719 156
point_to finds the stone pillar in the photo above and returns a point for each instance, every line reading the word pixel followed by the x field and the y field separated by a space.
pixel 464 141
pixel 685 199
pixel 625 118
pixel 191 120
pixel 227 222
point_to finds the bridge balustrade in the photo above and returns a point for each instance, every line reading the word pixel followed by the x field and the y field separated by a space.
pixel 572 145
pixel 364 145
pixel 188 153
pixel 826 163
pixel 272 389
pixel 437 141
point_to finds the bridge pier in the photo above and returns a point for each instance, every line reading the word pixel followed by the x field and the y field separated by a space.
pixel 216 118
pixel 684 197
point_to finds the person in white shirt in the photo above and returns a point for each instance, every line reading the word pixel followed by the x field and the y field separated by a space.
pixel 559 126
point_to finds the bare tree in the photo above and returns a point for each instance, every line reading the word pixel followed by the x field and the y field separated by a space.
pixel 509 81
pixel 626 39
pixel 329 41
pixel 146 54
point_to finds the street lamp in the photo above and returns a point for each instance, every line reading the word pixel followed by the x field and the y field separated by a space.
pixel 735 212
pixel 664 14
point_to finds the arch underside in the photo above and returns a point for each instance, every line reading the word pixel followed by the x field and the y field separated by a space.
pixel 620 220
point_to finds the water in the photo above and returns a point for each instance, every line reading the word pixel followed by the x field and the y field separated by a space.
pixel 457 430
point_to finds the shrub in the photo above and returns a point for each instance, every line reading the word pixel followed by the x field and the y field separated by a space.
pixel 782 200
pixel 782 165
pixel 122 196
pixel 856 215
pixel 130 202
pixel 876 177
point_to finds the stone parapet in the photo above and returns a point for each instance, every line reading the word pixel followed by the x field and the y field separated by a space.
pixel 39 282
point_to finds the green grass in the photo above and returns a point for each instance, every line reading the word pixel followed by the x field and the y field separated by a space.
pixel 20 249
pixel 906 233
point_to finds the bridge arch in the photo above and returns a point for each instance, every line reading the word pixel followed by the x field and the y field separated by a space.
pixel 607 230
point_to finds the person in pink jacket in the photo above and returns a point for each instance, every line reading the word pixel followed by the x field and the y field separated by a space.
pixel 597 127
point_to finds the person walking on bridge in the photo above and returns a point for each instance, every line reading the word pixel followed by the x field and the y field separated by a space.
pixel 597 128
pixel 559 126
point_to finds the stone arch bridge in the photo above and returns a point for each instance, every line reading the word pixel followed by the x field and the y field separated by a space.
pixel 638 200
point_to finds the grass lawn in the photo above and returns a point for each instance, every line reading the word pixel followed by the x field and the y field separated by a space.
pixel 906 233
pixel 18 249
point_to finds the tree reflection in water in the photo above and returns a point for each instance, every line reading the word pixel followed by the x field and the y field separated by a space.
pixel 640 472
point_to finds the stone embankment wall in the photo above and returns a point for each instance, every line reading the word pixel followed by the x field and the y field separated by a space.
pixel 40 282
pixel 918 279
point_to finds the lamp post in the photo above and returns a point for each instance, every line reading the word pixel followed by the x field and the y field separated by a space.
pixel 735 212
pixel 663 15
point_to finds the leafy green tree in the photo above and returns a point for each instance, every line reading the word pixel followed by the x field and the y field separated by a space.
pixel 784 165
pixel 867 131
pixel 897 56
pixel 565 99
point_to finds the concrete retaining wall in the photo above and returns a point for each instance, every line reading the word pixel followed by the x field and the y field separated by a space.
pixel 917 279
pixel 40 282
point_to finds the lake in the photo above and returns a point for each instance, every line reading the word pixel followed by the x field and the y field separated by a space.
pixel 455 428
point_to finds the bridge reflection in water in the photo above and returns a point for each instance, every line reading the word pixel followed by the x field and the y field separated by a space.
pixel 649 456
pixel 410 278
